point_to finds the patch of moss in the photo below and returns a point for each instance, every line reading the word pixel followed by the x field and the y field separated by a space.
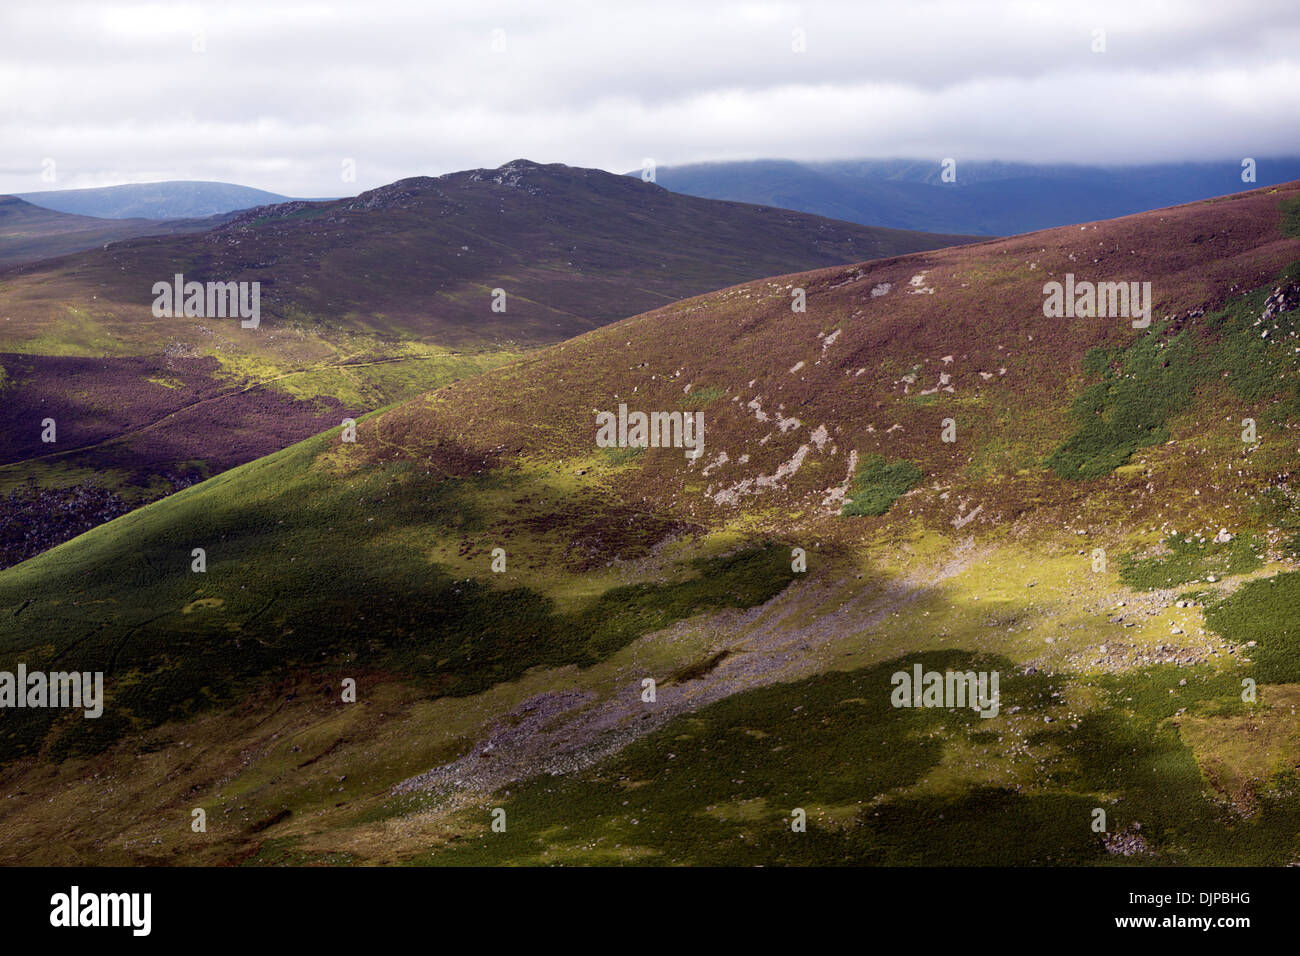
pixel 1138 389
pixel 699 397
pixel 878 484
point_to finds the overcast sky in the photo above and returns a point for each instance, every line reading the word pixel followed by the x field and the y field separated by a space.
pixel 279 94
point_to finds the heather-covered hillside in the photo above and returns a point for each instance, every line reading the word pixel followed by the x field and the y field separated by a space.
pixel 920 470
pixel 362 302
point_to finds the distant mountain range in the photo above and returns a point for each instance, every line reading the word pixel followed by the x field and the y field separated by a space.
pixel 573 248
pixel 29 232
pixel 987 199
pixel 177 199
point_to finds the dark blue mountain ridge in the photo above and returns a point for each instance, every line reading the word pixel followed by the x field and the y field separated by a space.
pixel 987 199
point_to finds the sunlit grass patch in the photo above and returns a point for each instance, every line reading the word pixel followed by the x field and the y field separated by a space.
pixel 1190 558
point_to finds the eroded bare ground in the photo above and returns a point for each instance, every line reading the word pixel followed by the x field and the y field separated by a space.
pixel 566 731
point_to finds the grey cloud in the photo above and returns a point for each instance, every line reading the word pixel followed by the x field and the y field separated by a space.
pixel 283 92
